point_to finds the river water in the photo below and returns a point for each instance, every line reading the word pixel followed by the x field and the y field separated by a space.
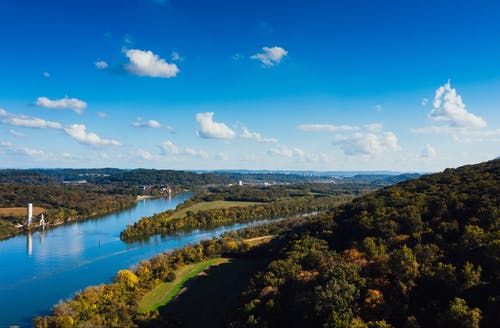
pixel 40 269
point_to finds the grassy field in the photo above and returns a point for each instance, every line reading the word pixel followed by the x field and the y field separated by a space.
pixel 219 288
pixel 19 211
pixel 165 292
pixel 210 205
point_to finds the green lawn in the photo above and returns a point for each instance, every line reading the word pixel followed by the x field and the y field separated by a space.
pixel 165 292
pixel 210 205
pixel 201 304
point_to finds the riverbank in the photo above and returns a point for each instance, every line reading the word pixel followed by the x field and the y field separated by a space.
pixel 74 256
pixel 9 230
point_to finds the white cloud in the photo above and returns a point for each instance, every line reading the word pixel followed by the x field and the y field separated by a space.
pixel 424 101
pixel 271 56
pixel 461 135
pixel 101 64
pixel 46 74
pixel 79 133
pixel 168 148
pixel 16 133
pixel 326 127
pixel 378 108
pixel 299 155
pixel 175 56
pixel 285 151
pixel 27 121
pixel 449 107
pixel 368 143
pixel 143 154
pixel 374 127
pixel 213 130
pixel 247 134
pixel 146 63
pixel 102 114
pixel 196 153
pixel 146 124
pixel 22 150
pixel 74 104
pixel 428 152
pixel 222 156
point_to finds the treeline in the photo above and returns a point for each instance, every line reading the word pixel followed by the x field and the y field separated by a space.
pixel 117 177
pixel 163 223
pixel 274 192
pixel 61 203
pixel 423 253
pixel 116 304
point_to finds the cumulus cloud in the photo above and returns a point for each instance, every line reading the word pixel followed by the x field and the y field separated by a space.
pixel 139 123
pixel 285 151
pixel 169 148
pixel 101 64
pixel 146 63
pixel 270 56
pixel 80 134
pixel 367 143
pixel 298 154
pixel 102 114
pixel 74 104
pixel 196 153
pixel 374 127
pixel 247 134
pixel 27 121
pixel 46 74
pixel 449 107
pixel 143 154
pixel 424 101
pixel 326 127
pixel 428 152
pixel 213 130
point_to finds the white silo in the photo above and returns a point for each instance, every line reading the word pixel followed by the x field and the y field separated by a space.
pixel 30 213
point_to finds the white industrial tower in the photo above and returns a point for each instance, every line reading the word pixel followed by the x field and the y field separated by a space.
pixel 30 213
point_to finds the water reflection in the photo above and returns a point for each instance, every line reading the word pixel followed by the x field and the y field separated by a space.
pixel 42 234
pixel 29 243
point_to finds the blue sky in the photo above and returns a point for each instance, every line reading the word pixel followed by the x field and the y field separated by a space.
pixel 305 85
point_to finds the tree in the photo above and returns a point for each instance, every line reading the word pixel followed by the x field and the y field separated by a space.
pixel 462 316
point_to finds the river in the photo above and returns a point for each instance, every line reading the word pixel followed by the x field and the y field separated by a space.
pixel 40 269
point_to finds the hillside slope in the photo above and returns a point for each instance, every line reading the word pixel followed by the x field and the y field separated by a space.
pixel 423 253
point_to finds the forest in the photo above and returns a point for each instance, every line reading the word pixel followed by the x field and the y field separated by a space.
pixel 274 202
pixel 101 191
pixel 422 253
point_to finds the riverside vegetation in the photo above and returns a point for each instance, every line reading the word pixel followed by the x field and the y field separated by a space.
pixel 422 253
pixel 99 192
pixel 240 205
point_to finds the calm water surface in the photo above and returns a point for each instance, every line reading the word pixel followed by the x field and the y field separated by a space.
pixel 38 270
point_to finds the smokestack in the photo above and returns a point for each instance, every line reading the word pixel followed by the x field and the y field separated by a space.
pixel 30 213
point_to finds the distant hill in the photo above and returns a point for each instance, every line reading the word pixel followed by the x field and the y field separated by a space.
pixel 421 253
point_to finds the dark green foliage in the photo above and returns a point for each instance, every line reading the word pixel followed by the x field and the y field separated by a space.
pixel 423 253
pixel 163 224
pixel 426 250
